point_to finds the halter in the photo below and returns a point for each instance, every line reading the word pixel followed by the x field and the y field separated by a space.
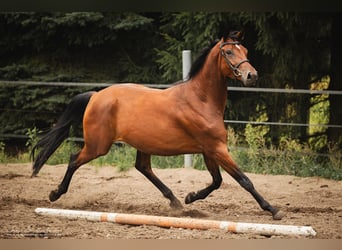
pixel 235 69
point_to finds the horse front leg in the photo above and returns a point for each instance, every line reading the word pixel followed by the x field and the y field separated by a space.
pixel 228 164
pixel 143 164
pixel 214 170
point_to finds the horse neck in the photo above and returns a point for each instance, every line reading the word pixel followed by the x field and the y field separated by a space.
pixel 209 85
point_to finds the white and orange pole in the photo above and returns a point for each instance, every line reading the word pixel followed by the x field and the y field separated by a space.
pixel 187 223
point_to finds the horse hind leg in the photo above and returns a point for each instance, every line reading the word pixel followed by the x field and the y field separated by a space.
pixel 77 160
pixel 64 185
pixel 143 164
pixel 214 170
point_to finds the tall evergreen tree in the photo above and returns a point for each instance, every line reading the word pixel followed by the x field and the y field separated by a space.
pixel 296 47
pixel 335 134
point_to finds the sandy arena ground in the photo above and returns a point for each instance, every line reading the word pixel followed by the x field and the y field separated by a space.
pixel 311 201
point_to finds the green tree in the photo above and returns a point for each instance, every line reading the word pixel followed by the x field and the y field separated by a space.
pixel 296 52
pixel 189 31
pixel 335 134
pixel 75 46
pixel 290 50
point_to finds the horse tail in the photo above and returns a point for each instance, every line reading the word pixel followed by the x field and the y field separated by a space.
pixel 60 131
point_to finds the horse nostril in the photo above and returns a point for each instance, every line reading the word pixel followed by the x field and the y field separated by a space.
pixel 252 76
pixel 251 79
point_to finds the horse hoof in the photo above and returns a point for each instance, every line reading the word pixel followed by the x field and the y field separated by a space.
pixel 54 196
pixel 175 204
pixel 278 215
pixel 190 198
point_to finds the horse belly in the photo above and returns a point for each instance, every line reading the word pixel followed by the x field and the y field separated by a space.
pixel 164 146
pixel 157 135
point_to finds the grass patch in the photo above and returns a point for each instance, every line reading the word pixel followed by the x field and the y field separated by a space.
pixel 123 156
pixel 289 158
pixel 299 163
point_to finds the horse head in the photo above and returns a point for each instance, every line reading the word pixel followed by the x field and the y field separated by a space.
pixel 235 64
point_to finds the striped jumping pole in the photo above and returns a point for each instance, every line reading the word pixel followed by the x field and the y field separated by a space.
pixel 187 223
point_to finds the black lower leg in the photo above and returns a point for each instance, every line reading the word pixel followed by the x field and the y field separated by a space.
pixel 214 170
pixel 167 193
pixel 143 164
pixel 63 187
pixel 245 182
pixel 202 194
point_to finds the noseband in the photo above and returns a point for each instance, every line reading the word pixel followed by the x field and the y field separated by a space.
pixel 235 68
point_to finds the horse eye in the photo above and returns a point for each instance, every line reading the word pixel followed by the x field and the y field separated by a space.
pixel 229 52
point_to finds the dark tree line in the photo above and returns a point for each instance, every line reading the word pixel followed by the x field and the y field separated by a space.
pixel 290 50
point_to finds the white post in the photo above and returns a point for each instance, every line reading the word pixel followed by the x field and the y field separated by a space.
pixel 186 60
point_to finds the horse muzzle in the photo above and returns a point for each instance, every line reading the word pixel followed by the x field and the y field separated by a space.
pixel 249 78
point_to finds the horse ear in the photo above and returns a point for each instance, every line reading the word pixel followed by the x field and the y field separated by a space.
pixel 240 35
pixel 236 35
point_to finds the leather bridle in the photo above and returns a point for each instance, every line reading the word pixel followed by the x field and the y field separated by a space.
pixel 235 68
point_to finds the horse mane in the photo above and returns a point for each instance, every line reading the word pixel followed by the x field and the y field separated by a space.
pixel 202 56
pixel 199 61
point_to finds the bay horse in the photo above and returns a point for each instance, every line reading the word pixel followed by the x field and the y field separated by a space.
pixel 186 118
